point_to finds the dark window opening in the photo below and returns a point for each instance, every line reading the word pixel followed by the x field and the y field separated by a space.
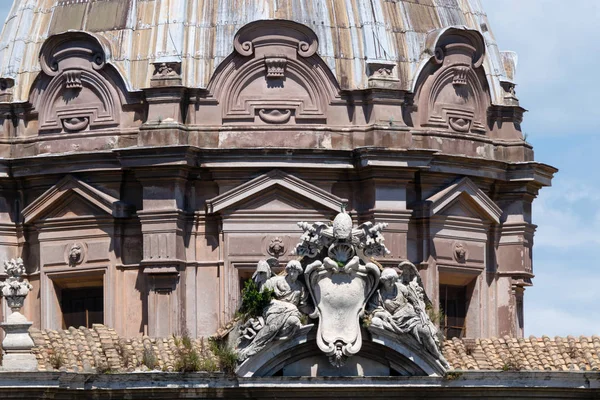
pixel 453 304
pixel 82 307
pixel 520 319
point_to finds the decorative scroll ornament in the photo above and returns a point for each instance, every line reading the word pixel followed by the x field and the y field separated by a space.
pixel 15 288
pixel 340 280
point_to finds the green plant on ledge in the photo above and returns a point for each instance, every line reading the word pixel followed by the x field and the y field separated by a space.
pixel 149 358
pixel 56 360
pixel 226 356
pixel 187 357
pixel 254 300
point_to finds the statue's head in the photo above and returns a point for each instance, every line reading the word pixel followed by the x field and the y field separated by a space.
pixel 389 277
pixel 75 254
pixel 293 269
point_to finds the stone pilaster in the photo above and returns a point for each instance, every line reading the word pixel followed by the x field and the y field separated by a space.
pixel 163 227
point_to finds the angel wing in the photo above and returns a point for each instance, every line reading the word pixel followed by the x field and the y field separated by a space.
pixel 412 279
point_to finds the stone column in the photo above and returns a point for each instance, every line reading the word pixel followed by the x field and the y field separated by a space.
pixel 17 343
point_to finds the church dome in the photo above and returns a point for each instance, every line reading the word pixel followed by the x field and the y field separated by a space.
pixel 199 34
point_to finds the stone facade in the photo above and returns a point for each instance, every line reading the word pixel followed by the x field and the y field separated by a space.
pixel 164 192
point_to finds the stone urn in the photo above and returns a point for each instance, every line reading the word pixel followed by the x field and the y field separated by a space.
pixel 17 343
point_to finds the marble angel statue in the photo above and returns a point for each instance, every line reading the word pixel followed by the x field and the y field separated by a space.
pixel 398 306
pixel 282 317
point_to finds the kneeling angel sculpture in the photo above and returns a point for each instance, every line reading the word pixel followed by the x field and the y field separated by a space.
pixel 282 317
pixel 399 306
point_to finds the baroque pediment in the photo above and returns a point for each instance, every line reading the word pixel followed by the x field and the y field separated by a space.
pixel 274 76
pixel 76 92
pixel 279 191
pixel 71 198
pixel 464 199
pixel 452 90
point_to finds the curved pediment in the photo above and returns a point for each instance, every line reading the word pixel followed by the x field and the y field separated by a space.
pixel 77 90
pixel 452 91
pixel 274 77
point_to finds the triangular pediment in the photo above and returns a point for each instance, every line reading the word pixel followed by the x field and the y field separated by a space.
pixel 281 190
pixel 277 200
pixel 464 198
pixel 70 198
pixel 73 206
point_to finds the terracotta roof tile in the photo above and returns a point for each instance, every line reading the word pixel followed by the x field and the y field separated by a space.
pixel 532 354
pixel 100 348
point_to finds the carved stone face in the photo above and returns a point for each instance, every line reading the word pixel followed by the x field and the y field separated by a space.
pixel 460 252
pixel 293 274
pixel 75 254
pixel 276 247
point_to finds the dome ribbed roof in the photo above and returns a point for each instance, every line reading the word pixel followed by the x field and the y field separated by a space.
pixel 200 33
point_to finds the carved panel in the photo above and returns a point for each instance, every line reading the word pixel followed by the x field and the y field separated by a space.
pixel 274 76
pixel 452 91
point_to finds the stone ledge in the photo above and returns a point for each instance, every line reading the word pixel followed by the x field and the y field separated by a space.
pixel 489 384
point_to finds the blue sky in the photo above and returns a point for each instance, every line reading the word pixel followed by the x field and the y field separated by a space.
pixel 557 43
